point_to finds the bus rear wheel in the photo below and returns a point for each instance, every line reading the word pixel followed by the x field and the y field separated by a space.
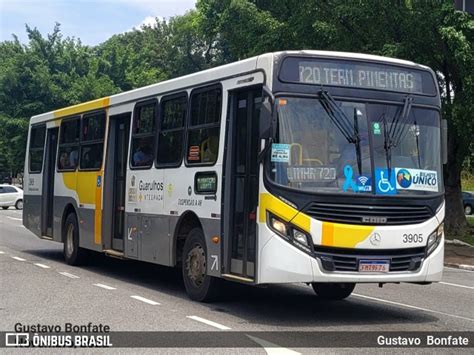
pixel 333 291
pixel 73 254
pixel 199 286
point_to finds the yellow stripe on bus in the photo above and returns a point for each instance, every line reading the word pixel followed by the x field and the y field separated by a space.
pixel 344 235
pixel 84 183
pixel 282 210
pixel 98 211
pixel 80 108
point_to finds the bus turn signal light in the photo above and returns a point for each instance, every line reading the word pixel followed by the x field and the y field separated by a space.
pixel 216 239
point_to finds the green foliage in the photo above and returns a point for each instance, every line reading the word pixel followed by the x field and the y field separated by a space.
pixel 13 133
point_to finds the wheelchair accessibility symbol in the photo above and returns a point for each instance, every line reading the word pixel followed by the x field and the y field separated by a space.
pixel 385 184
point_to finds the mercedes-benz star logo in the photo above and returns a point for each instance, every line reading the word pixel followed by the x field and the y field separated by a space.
pixel 375 239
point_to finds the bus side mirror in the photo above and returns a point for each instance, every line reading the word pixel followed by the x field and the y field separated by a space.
pixel 444 140
pixel 266 118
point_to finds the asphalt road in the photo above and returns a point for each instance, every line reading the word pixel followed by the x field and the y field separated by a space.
pixel 36 286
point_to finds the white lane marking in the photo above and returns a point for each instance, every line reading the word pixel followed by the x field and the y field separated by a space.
pixel 18 258
pixel 42 266
pixel 146 300
pixel 209 322
pixel 456 285
pixel 412 307
pixel 271 348
pixel 67 274
pixel 105 286
pixel 15 219
pixel 2 252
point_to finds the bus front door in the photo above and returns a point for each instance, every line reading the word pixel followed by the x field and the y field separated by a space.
pixel 48 182
pixel 243 187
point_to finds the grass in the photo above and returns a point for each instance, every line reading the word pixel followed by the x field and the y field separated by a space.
pixel 470 220
pixel 467 182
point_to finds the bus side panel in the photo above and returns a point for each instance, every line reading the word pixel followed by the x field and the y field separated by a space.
pixel 32 201
pixel 155 239
pixel 89 190
pixel 78 190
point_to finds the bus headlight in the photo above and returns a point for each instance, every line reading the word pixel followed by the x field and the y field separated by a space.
pixel 300 237
pixel 434 239
pixel 279 227
pixel 289 232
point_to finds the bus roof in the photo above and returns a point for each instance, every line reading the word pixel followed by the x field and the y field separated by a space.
pixel 263 61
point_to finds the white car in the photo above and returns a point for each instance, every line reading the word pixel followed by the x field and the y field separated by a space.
pixel 11 196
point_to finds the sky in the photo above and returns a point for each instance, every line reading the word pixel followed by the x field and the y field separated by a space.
pixel 93 21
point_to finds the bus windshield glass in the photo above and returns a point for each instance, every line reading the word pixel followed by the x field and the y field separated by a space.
pixel 319 151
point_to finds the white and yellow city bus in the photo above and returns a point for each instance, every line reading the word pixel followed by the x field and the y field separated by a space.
pixel 297 166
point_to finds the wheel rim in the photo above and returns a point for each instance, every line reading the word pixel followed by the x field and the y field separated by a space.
pixel 468 210
pixel 20 205
pixel 70 239
pixel 196 265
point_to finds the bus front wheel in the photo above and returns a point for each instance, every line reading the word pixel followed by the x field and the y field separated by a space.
pixel 199 286
pixel 333 291
pixel 73 254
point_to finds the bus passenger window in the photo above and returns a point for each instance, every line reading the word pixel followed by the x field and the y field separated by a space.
pixel 170 138
pixel 37 148
pixel 68 154
pixel 143 135
pixel 203 137
pixel 92 141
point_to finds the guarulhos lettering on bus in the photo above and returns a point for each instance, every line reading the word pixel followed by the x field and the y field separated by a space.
pixel 150 186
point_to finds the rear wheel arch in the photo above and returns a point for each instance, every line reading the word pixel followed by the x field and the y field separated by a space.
pixel 67 211
pixel 186 222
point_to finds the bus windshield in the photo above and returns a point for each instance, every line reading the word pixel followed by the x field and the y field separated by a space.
pixel 311 151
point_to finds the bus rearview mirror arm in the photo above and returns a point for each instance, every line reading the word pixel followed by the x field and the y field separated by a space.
pixel 266 119
pixel 266 114
pixel 444 141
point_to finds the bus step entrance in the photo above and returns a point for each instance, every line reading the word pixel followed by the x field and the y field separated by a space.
pixel 238 278
pixel 114 253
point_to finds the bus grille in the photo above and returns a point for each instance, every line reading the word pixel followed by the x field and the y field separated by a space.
pixel 338 259
pixel 368 214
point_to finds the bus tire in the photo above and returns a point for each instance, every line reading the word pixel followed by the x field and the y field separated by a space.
pixel 73 254
pixel 199 286
pixel 333 291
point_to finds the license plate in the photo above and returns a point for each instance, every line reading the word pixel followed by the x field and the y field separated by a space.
pixel 374 266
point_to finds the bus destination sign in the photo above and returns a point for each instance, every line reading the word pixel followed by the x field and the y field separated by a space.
pixel 356 75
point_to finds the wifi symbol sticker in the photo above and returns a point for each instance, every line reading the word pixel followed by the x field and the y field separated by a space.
pixel 363 183
pixel 363 179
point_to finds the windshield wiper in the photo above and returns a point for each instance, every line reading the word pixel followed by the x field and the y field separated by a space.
pixel 357 142
pixel 394 135
pixel 349 130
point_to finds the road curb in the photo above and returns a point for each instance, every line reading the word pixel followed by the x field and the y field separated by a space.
pixel 460 266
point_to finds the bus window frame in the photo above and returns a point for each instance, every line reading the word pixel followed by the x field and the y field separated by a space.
pixel 36 149
pixel 213 125
pixel 169 97
pixel 91 142
pixel 60 145
pixel 153 134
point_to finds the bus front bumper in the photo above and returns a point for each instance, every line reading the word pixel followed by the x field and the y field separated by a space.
pixel 281 262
